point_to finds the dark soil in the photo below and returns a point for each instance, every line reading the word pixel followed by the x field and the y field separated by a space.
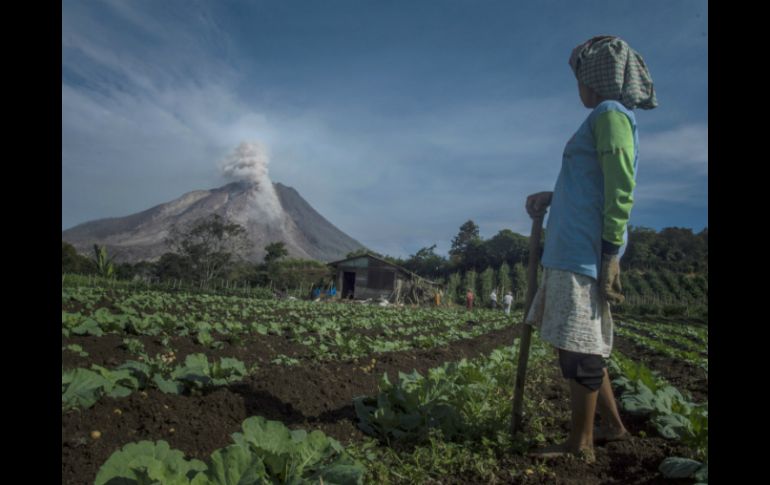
pixel 316 395
pixel 684 376
pixel 109 351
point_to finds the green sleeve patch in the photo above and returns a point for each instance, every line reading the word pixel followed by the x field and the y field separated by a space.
pixel 615 147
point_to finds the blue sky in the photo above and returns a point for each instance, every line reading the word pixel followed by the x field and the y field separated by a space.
pixel 397 120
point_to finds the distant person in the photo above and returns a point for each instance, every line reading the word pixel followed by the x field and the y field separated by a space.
pixel 507 301
pixel 587 231
pixel 493 299
pixel 469 299
pixel 437 298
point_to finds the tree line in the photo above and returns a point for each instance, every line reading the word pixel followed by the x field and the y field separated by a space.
pixel 210 249
pixel 204 252
pixel 673 248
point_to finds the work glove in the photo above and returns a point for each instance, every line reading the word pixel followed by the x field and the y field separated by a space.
pixel 609 279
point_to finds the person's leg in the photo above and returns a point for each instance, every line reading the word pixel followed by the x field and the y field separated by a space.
pixel 611 426
pixel 585 374
pixel 580 440
pixel 583 404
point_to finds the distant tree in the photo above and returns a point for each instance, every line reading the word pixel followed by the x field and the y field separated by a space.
pixel 275 251
pixel 124 271
pixel 475 255
pixel 295 273
pixel 470 280
pixel 639 252
pixel 452 288
pixel 144 270
pixel 72 262
pixel 507 247
pixel 487 278
pixel 426 263
pixel 209 245
pixel 469 232
pixel 519 281
pixel 504 278
pixel 242 272
pixel 173 266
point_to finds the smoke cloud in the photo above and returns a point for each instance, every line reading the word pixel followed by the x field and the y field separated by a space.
pixel 248 163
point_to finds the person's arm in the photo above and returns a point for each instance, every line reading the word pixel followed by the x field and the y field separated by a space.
pixel 614 141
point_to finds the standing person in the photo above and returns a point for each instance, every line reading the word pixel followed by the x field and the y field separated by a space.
pixel 438 297
pixel 507 301
pixel 586 236
pixel 469 300
pixel 493 299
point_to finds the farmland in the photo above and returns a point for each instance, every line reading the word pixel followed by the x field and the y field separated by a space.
pixel 199 387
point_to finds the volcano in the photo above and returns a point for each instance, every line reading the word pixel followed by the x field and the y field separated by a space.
pixel 285 217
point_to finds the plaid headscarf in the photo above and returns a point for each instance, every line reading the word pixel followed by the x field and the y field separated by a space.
pixel 609 66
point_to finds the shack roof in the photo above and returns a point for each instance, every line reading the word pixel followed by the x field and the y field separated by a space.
pixel 376 258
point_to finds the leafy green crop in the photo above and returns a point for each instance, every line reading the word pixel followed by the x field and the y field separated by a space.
pixel 285 360
pixel 646 393
pixel 675 467
pixel 329 331
pixel 81 388
pixel 265 452
pixel 463 399
pixel 76 349
pixel 146 462
pixel 198 374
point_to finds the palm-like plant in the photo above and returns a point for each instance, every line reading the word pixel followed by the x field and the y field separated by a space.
pixel 104 265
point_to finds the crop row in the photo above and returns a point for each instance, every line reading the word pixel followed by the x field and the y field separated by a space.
pixel 665 283
pixel 81 388
pixel 665 337
pixel 695 358
pixel 264 452
pixel 696 333
pixel 329 331
pixel 465 400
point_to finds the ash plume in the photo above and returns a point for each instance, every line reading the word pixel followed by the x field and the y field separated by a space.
pixel 248 162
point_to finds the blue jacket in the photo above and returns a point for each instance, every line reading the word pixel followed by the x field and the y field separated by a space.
pixel 573 237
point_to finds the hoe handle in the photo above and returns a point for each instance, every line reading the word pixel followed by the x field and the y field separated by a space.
pixel 526 331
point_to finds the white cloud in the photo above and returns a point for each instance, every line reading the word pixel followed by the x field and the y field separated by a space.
pixel 678 191
pixel 682 148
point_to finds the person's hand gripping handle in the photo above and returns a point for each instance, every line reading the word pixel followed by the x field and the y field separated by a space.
pixel 538 203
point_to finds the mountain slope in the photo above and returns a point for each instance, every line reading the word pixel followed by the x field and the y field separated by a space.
pixel 280 214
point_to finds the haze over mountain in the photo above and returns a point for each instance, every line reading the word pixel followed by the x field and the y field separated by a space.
pixel 269 212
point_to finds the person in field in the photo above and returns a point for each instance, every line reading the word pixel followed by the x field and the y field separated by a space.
pixel 493 299
pixel 507 301
pixel 586 236
pixel 469 299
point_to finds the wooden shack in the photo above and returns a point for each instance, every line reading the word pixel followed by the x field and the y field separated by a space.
pixel 367 276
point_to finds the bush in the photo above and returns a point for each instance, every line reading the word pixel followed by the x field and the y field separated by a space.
pixel 647 309
pixel 674 310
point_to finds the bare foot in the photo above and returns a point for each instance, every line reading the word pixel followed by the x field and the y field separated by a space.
pixel 607 434
pixel 563 449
